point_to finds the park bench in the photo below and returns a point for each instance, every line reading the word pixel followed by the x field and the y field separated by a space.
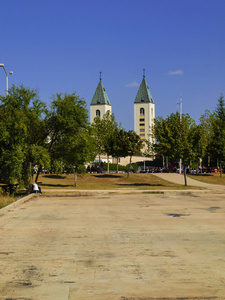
pixel 9 188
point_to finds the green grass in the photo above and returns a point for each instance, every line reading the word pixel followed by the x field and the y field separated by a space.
pixel 211 178
pixel 145 182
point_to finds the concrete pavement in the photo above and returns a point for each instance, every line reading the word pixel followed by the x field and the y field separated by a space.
pixel 114 246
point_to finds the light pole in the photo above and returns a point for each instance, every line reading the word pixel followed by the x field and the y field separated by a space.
pixel 180 102
pixel 7 77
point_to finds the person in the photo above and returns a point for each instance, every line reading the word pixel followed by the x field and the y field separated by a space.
pixel 35 187
pixel 101 165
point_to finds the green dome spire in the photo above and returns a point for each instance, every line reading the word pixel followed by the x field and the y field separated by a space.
pixel 143 94
pixel 100 96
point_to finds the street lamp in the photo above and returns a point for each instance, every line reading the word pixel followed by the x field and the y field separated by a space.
pixel 7 77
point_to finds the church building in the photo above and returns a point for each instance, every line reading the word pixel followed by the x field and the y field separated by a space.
pixel 144 108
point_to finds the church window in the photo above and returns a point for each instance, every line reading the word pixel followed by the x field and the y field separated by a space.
pixel 142 120
pixel 142 124
pixel 152 112
pixel 142 111
pixel 98 113
pixel 142 130
pixel 142 134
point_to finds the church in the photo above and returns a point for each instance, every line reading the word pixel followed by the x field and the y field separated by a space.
pixel 144 108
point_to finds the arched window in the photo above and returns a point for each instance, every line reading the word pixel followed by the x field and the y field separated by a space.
pixel 98 113
pixel 142 111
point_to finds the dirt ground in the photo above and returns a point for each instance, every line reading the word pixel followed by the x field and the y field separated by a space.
pixel 114 246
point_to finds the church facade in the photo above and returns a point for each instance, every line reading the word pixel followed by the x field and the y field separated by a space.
pixel 144 108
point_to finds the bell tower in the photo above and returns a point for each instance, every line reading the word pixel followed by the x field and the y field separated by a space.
pixel 100 103
pixel 144 112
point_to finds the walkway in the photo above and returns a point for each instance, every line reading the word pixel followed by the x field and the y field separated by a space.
pixel 179 179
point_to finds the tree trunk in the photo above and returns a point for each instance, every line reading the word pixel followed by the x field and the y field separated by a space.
pixel 163 161
pixel 75 179
pixel 167 162
pixel 128 173
pixel 185 176
pixel 107 164
pixel 38 172
pixel 200 163
pixel 220 169
pixel 31 174
pixel 180 166
pixel 117 165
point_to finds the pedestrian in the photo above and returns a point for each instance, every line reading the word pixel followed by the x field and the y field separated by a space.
pixel 35 187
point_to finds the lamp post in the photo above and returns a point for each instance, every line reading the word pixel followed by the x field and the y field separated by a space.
pixel 7 77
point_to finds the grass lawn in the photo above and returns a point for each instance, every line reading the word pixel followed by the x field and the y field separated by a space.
pixel 212 178
pixel 107 182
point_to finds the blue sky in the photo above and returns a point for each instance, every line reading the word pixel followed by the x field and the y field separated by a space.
pixel 61 46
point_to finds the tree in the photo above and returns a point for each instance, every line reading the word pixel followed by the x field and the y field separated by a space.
pixel 217 141
pixel 102 130
pixel 23 134
pixel 134 145
pixel 98 133
pixel 220 109
pixel 173 137
pixel 203 135
pixel 118 144
pixel 70 142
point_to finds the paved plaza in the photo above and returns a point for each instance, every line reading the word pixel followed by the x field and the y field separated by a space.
pixel 114 246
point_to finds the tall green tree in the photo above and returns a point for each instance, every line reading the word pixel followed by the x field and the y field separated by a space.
pixel 102 131
pixel 203 135
pixel 23 135
pixel 118 144
pixel 220 109
pixel 173 137
pixel 134 145
pixel 70 144
pixel 217 141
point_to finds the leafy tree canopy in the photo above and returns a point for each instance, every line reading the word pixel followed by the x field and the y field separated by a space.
pixel 22 134
pixel 173 136
pixel 70 142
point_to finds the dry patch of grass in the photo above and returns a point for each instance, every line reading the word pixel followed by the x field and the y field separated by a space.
pixel 6 200
pixel 107 182
pixel 212 178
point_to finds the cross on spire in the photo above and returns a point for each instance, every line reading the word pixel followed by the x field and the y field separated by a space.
pixel 100 75
pixel 144 73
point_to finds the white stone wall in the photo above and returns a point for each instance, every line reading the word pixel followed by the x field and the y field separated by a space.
pixel 103 108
